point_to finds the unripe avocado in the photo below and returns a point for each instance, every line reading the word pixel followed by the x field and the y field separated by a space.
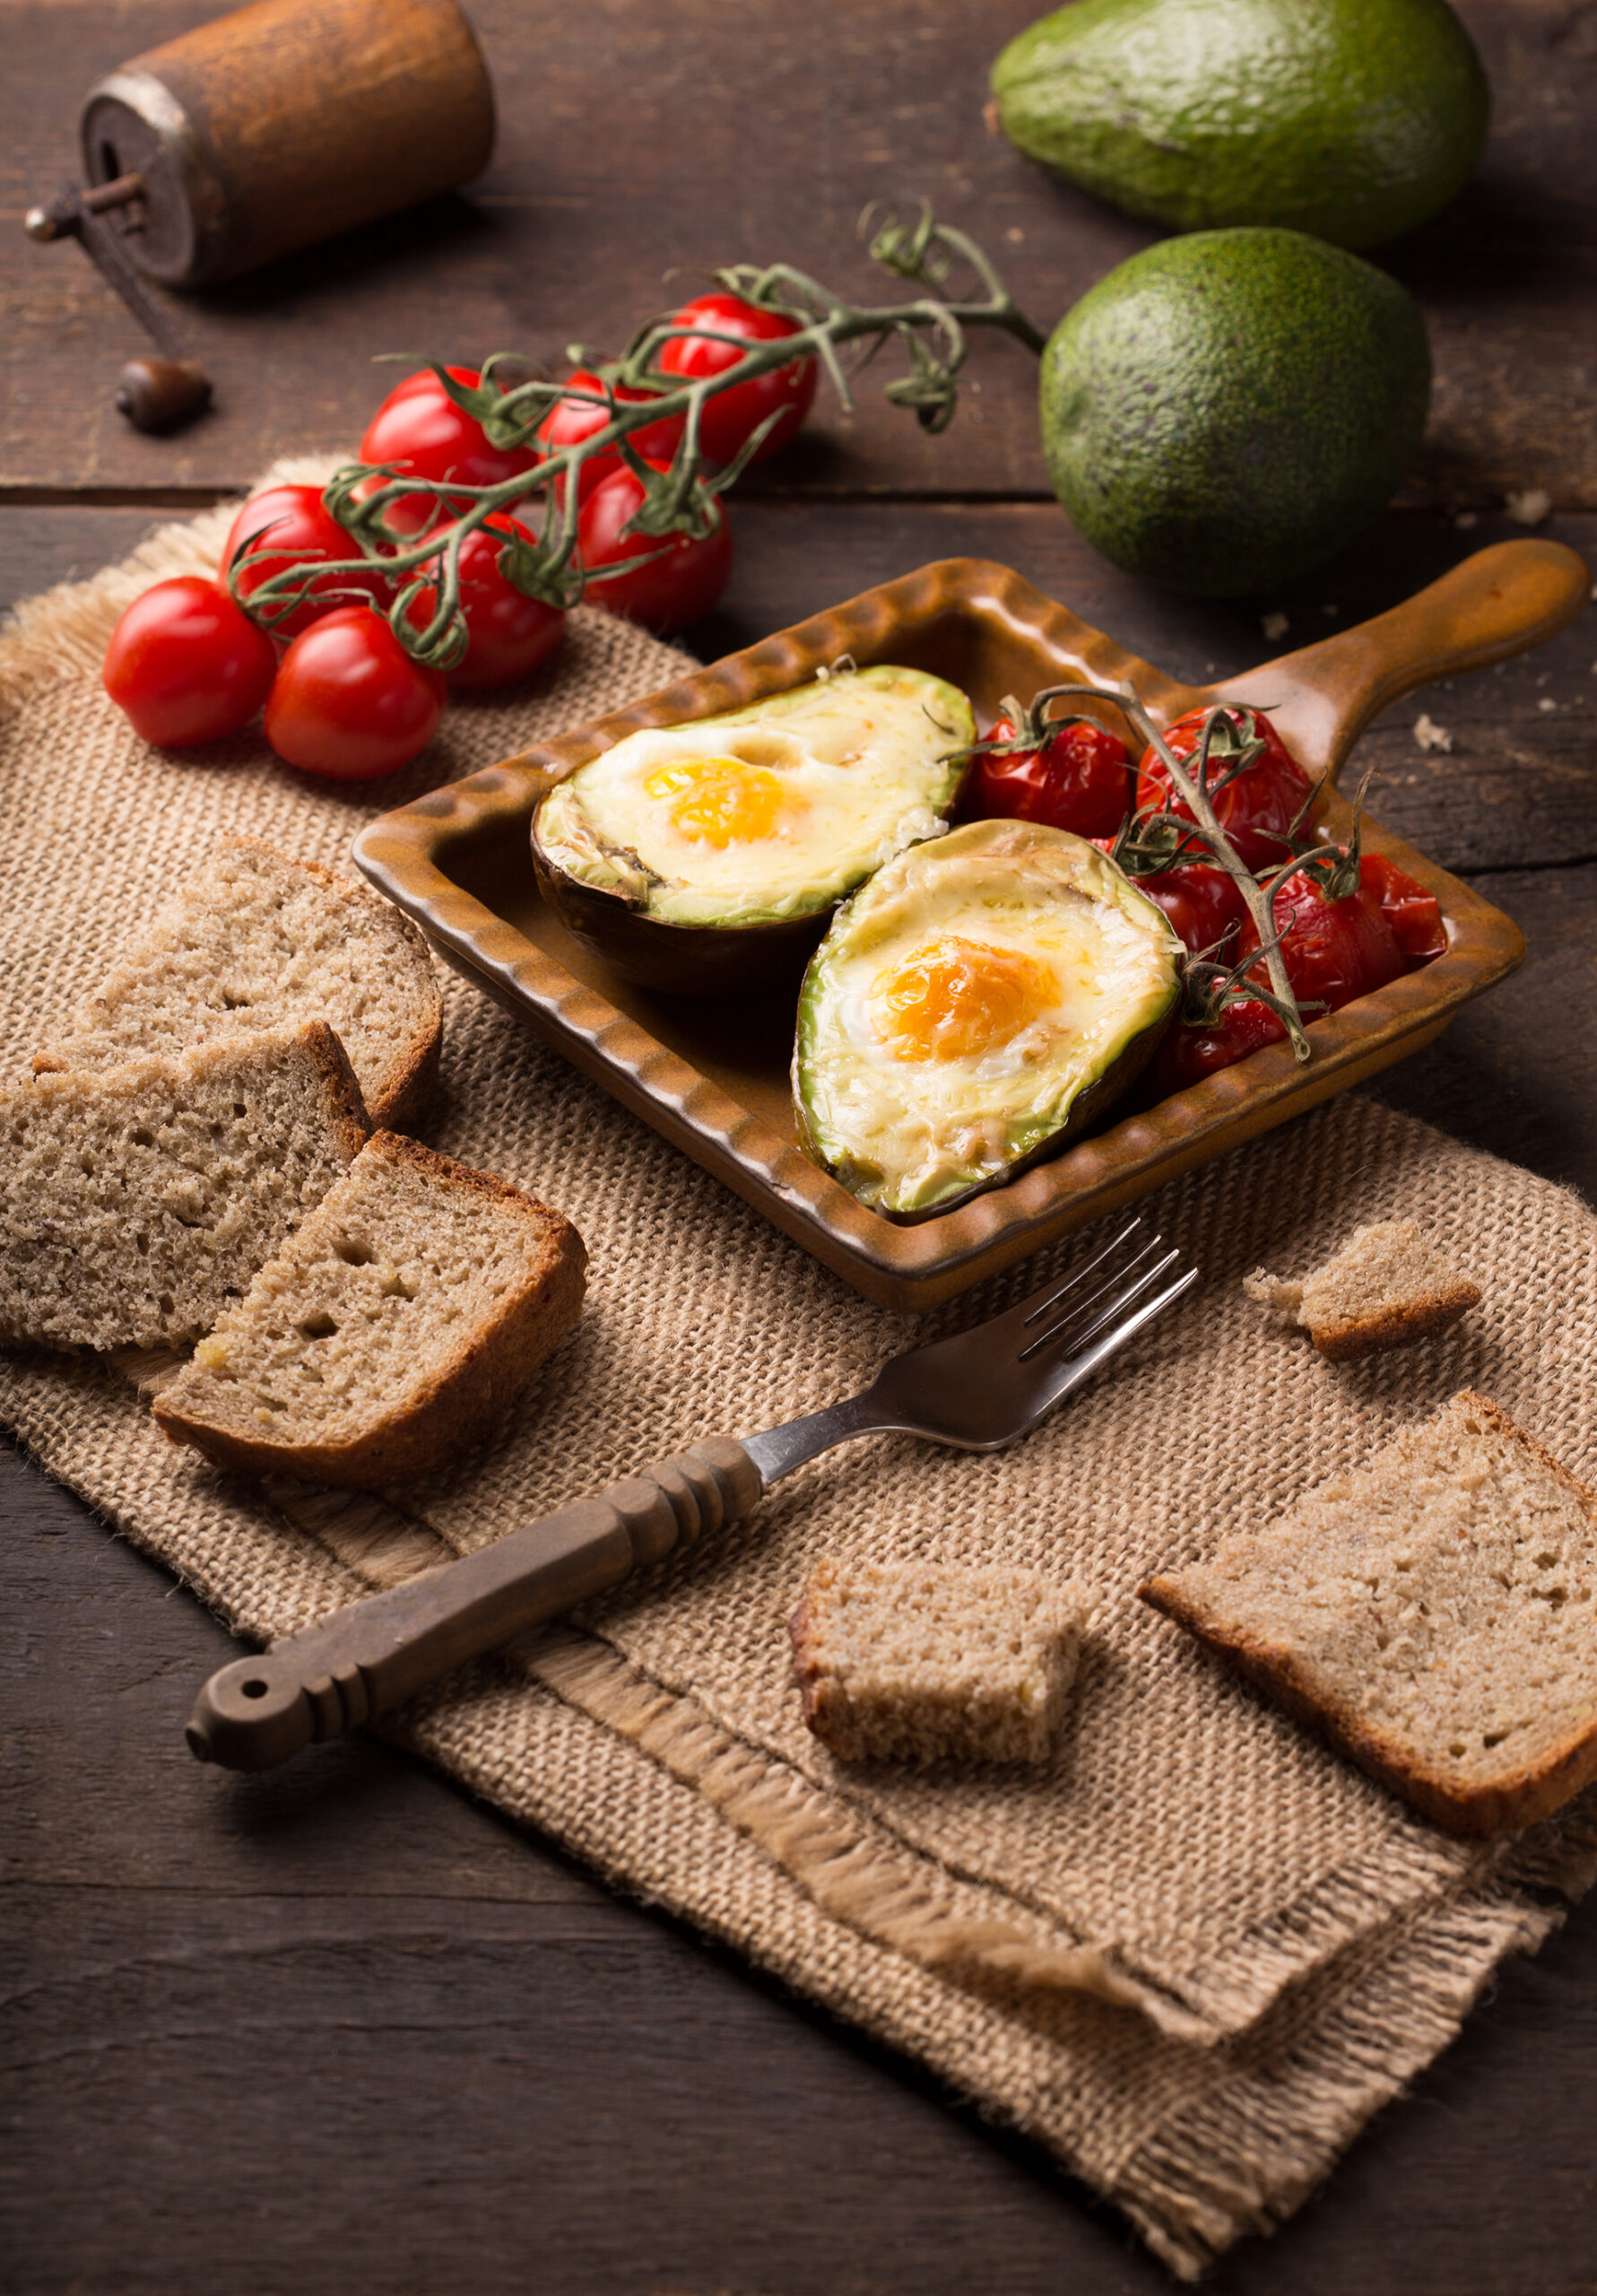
pixel 1226 410
pixel 1354 119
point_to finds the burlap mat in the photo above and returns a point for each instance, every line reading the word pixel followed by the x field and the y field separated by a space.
pixel 1198 1953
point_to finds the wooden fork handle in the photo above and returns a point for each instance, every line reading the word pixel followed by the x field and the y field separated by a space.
pixel 365 1658
pixel 1495 604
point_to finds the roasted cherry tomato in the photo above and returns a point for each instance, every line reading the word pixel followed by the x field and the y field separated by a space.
pixel 297 530
pixel 1203 905
pixel 1414 915
pixel 1257 805
pixel 734 415
pixel 349 701
pixel 685 577
pixel 509 635
pixel 1334 950
pixel 186 664
pixel 1185 1054
pixel 569 420
pixel 1077 780
pixel 419 427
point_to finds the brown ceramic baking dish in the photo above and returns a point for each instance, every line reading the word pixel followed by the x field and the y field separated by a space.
pixel 713 1077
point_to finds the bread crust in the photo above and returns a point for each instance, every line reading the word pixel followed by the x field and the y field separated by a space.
pixel 1505 1804
pixel 1340 1343
pixel 408 1088
pixel 401 1097
pixel 465 1393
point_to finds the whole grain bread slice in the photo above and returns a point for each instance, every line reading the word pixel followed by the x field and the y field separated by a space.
pixel 1388 1285
pixel 928 1663
pixel 407 1315
pixel 136 1202
pixel 1433 1616
pixel 259 940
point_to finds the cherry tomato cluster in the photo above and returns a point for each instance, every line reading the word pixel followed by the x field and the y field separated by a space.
pixel 1073 774
pixel 341 696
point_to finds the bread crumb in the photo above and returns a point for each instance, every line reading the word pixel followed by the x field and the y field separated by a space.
pixel 1466 520
pixel 1430 736
pixel 1530 508
pixel 1387 1286
pixel 1546 703
pixel 1274 626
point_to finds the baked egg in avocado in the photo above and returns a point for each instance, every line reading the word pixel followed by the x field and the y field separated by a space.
pixel 708 855
pixel 974 1008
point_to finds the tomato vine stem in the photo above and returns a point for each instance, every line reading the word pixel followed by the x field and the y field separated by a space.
pixel 546 561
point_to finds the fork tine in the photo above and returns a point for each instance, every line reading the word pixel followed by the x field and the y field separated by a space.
pixel 1116 1276
pixel 1083 1366
pixel 1123 1299
pixel 1050 1293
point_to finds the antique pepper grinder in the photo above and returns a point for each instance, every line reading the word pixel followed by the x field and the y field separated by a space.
pixel 255 136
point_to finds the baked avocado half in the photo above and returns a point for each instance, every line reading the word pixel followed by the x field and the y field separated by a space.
pixel 706 858
pixel 978 1003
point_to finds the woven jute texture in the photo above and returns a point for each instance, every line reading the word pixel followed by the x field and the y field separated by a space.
pixel 1193 1955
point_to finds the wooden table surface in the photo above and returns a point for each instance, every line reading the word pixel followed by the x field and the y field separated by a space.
pixel 340 2028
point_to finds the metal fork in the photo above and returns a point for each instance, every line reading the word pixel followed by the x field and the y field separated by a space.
pixel 979 1391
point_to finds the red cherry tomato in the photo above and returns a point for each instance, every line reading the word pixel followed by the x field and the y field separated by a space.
pixel 1414 915
pixel 349 701
pixel 1188 1054
pixel 1334 950
pixel 733 415
pixel 186 664
pixel 684 580
pixel 419 428
pixel 1203 905
pixel 1256 807
pixel 509 635
pixel 569 420
pixel 298 529
pixel 1077 780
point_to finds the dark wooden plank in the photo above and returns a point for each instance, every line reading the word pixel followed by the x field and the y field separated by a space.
pixel 638 141
pixel 1519 789
pixel 342 2027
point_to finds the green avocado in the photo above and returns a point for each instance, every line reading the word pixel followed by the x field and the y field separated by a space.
pixel 1353 120
pixel 1226 410
pixel 704 858
pixel 975 1005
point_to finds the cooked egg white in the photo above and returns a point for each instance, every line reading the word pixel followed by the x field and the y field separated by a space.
pixel 769 812
pixel 964 1001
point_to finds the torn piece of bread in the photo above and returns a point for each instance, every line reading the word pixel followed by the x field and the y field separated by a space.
pixel 1386 1286
pixel 922 1664
pixel 1433 1615
pixel 135 1203
pixel 259 940
pixel 407 1315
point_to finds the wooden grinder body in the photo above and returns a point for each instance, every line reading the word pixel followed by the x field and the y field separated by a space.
pixel 285 123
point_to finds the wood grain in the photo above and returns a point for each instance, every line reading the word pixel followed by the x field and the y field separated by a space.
pixel 638 141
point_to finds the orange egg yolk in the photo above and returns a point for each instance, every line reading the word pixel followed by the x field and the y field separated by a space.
pixel 956 999
pixel 719 800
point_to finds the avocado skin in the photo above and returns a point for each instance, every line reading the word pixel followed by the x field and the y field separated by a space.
pixel 1225 411
pixel 1352 120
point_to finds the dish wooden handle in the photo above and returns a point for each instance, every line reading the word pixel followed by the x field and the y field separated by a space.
pixel 365 1658
pixel 1495 604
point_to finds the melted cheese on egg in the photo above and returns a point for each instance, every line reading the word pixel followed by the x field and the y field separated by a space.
pixel 774 812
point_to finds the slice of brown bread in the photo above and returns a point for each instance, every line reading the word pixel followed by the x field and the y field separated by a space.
pixel 1433 1615
pixel 1388 1285
pixel 407 1314
pixel 922 1664
pixel 259 940
pixel 135 1203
